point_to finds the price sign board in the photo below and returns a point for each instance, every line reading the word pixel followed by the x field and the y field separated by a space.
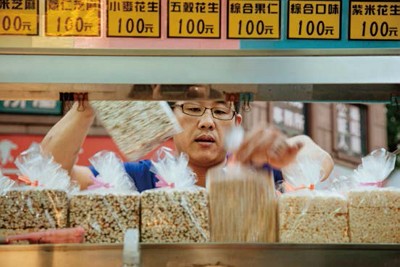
pixel 253 19
pixel 132 18
pixel 194 19
pixel 374 20
pixel 314 19
pixel 72 18
pixel 19 17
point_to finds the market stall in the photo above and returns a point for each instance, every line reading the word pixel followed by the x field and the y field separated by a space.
pixel 336 53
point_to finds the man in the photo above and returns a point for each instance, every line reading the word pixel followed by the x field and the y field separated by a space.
pixel 204 124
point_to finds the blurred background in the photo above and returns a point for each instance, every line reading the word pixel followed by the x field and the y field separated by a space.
pixel 347 131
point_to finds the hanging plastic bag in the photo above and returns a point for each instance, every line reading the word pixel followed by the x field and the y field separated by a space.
pixel 373 209
pixel 40 200
pixel 242 199
pixel 307 214
pixel 178 210
pixel 110 206
pixel 5 184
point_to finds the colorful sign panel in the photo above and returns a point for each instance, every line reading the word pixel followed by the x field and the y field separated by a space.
pixel 374 20
pixel 134 18
pixel 19 17
pixel 194 19
pixel 314 19
pixel 200 25
pixel 72 18
pixel 253 19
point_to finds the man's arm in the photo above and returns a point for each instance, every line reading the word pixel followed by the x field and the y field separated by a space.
pixel 65 139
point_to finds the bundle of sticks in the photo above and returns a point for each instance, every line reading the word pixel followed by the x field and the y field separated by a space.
pixel 242 205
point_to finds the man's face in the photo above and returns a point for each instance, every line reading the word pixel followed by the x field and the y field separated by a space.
pixel 202 137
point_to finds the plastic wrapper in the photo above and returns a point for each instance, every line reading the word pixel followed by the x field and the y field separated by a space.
pixel 40 200
pixel 110 206
pixel 5 184
pixel 374 211
pixel 309 215
pixel 242 200
pixel 137 127
pixel 178 210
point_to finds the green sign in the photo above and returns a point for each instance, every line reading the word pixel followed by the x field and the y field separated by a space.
pixel 48 107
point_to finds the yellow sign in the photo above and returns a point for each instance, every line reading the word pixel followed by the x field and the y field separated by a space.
pixel 373 20
pixel 194 19
pixel 72 18
pixel 253 19
pixel 133 18
pixel 19 17
pixel 314 19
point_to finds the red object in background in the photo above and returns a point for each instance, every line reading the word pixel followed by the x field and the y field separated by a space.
pixel 12 145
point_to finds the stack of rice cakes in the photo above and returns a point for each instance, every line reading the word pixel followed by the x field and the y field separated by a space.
pixel 105 217
pixel 374 215
pixel 306 217
pixel 175 215
pixel 29 210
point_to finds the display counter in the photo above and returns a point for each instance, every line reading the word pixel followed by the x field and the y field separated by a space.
pixel 203 255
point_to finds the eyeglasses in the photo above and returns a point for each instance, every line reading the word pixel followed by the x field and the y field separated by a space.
pixel 219 113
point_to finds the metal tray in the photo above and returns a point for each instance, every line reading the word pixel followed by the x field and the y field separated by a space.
pixel 203 255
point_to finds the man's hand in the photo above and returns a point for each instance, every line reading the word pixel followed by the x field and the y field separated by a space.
pixel 267 146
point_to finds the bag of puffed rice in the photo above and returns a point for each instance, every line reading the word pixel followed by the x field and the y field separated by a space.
pixel 137 127
pixel 242 199
pixel 110 205
pixel 40 198
pixel 308 214
pixel 177 211
pixel 373 208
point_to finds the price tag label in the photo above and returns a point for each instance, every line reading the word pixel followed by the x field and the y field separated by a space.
pixel 19 17
pixel 374 20
pixel 253 19
pixel 133 18
pixel 72 18
pixel 194 19
pixel 314 19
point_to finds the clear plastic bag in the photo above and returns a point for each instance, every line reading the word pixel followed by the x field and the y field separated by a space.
pixel 137 127
pixel 40 200
pixel 374 210
pixel 108 208
pixel 5 184
pixel 178 210
pixel 242 200
pixel 307 214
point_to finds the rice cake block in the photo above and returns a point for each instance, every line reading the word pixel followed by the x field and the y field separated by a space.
pixel 374 215
pixel 174 215
pixel 105 218
pixel 21 209
pixel 312 218
pixel 137 127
